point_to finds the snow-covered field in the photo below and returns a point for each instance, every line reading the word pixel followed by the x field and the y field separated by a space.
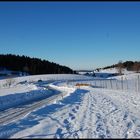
pixel 64 110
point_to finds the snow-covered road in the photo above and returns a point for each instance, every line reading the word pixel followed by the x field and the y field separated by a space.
pixel 14 114
pixel 85 113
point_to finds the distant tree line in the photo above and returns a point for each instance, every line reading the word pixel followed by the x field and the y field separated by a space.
pixel 129 65
pixel 32 65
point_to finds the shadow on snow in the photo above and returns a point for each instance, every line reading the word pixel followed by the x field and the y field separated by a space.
pixel 35 117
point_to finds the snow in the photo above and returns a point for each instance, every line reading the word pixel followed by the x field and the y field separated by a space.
pixel 45 77
pixel 25 89
pixel 20 98
pixel 77 112
pixel 20 88
pixel 130 76
pixel 106 73
pixel 114 70
pixel 86 113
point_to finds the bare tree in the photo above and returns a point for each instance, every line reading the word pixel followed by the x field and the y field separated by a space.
pixel 10 81
pixel 120 67
pixel 136 67
pixel 26 69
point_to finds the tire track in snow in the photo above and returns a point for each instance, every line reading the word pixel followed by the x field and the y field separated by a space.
pixel 15 114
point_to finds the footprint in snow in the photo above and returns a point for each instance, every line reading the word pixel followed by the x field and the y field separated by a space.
pixel 129 124
pixel 67 124
pixel 125 116
pixel 71 116
pixel 58 133
pixel 66 121
pixel 74 110
pixel 75 135
pixel 77 107
pixel 137 132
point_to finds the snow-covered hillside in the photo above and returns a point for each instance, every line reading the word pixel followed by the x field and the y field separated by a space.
pixel 69 111
pixel 106 73
pixel 114 70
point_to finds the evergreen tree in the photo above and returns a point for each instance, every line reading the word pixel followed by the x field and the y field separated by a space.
pixel 31 65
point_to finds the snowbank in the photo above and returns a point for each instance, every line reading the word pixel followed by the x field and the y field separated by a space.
pixel 63 88
pixel 12 100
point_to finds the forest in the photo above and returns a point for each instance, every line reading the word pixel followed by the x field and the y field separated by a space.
pixel 32 66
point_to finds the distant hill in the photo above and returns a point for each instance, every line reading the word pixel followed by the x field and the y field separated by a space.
pixel 31 65
pixel 128 65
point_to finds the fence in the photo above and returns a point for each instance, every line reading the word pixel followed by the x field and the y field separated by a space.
pixel 123 84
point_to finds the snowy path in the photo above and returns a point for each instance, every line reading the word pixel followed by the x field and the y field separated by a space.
pixel 14 114
pixel 86 113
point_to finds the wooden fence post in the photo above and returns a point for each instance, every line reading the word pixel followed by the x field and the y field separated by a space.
pixel 111 83
pixel 100 83
pixel 122 82
pixel 127 83
pixel 105 83
pixel 116 85
pixel 138 84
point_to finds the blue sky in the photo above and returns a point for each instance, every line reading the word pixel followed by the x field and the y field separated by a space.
pixel 80 35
